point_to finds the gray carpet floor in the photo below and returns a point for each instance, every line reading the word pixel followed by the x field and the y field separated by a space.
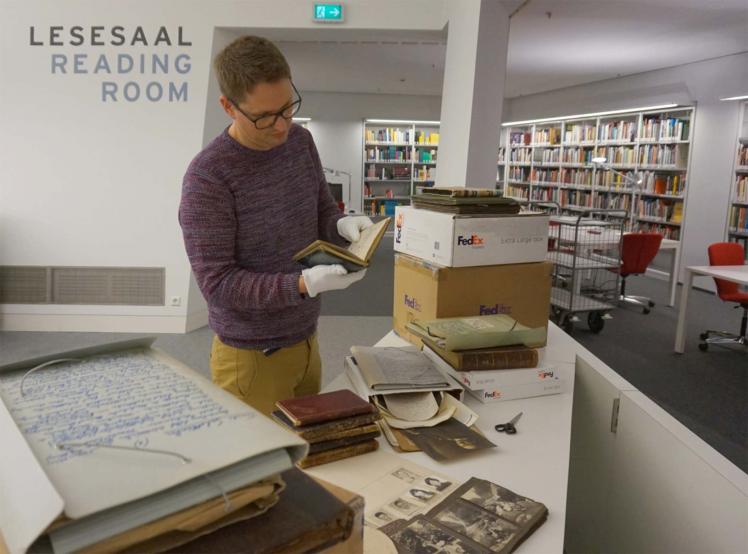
pixel 706 391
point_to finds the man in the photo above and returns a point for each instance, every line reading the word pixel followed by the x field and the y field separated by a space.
pixel 251 199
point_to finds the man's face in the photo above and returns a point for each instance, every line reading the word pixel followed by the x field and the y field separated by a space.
pixel 265 98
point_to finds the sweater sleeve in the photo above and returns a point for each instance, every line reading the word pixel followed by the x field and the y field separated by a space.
pixel 328 212
pixel 208 220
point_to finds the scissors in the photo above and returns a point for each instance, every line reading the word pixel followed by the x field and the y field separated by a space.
pixel 509 427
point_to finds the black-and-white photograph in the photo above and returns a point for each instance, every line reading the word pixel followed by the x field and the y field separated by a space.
pixel 403 506
pixel 380 517
pixel 405 475
pixel 436 483
pixel 476 523
pixel 421 495
pixel 502 502
pixel 447 440
pixel 423 537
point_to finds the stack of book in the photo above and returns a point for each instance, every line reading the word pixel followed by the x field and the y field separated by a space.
pixel 92 466
pixel 336 425
pixel 460 200
pixel 493 364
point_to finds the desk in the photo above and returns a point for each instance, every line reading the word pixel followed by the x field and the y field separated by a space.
pixel 534 462
pixel 735 273
pixel 672 246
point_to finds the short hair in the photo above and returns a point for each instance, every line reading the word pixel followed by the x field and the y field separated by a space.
pixel 247 61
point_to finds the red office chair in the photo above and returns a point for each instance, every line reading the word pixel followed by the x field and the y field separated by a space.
pixel 637 252
pixel 727 253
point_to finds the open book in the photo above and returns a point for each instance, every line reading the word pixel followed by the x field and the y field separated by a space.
pixel 114 439
pixel 353 258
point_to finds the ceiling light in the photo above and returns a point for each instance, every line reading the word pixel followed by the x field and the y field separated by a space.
pixel 302 118
pixel 585 115
pixel 743 97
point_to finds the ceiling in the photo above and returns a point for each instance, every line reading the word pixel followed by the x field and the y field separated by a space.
pixel 552 44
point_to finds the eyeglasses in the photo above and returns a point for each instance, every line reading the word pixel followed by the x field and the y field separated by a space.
pixel 268 120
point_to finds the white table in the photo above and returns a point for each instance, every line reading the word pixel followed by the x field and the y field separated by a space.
pixel 735 273
pixel 535 461
pixel 672 246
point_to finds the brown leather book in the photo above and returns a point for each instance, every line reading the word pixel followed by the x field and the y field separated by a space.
pixel 307 518
pixel 328 406
pixel 371 432
pixel 338 454
pixel 330 430
pixel 505 357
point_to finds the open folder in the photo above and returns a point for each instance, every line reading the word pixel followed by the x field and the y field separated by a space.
pixel 353 258
pixel 119 437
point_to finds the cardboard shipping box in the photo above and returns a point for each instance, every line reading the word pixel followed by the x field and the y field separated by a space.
pixel 427 291
pixel 453 240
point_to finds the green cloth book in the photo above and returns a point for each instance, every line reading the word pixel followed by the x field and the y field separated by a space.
pixel 485 331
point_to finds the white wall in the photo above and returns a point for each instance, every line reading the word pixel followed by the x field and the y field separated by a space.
pixel 714 131
pixel 89 183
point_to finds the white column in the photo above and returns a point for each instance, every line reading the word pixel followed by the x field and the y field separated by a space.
pixel 473 93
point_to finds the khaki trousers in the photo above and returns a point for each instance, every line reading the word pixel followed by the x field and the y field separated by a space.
pixel 261 380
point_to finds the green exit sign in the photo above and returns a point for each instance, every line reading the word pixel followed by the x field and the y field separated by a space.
pixel 328 13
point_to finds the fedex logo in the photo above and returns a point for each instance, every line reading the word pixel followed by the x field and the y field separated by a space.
pixel 398 228
pixel 496 309
pixel 412 303
pixel 545 374
pixel 493 394
pixel 473 240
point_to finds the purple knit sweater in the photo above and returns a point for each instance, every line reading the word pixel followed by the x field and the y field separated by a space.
pixel 244 214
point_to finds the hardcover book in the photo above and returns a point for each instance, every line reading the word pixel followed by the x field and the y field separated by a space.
pixel 338 454
pixel 485 359
pixel 368 432
pixel 336 429
pixel 469 333
pixel 306 518
pixel 328 406
pixel 355 257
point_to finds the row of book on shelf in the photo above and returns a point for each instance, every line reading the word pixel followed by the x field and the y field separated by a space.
pixel 624 130
pixel 647 154
pixel 739 218
pixel 652 182
pixel 400 136
pixel 741 189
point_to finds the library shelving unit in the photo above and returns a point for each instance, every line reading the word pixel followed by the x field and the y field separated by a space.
pixel 551 161
pixel 399 159
pixel 737 217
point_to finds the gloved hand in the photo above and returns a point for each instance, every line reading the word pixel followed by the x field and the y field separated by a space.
pixel 350 226
pixel 321 278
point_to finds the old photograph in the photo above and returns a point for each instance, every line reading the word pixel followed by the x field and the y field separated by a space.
pixel 405 475
pixel 404 506
pixel 502 502
pixel 448 440
pixel 476 523
pixel 420 536
pixel 436 483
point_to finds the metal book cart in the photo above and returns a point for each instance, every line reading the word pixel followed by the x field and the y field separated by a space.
pixel 586 253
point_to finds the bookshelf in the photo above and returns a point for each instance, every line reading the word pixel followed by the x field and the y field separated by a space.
pixel 737 217
pixel 552 162
pixel 399 159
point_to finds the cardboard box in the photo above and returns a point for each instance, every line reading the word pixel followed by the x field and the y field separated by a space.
pixel 427 291
pixel 528 390
pixel 453 240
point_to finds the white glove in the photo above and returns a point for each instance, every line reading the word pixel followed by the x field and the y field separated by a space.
pixel 321 278
pixel 350 227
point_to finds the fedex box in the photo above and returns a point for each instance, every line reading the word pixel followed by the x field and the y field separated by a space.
pixel 428 291
pixel 454 240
